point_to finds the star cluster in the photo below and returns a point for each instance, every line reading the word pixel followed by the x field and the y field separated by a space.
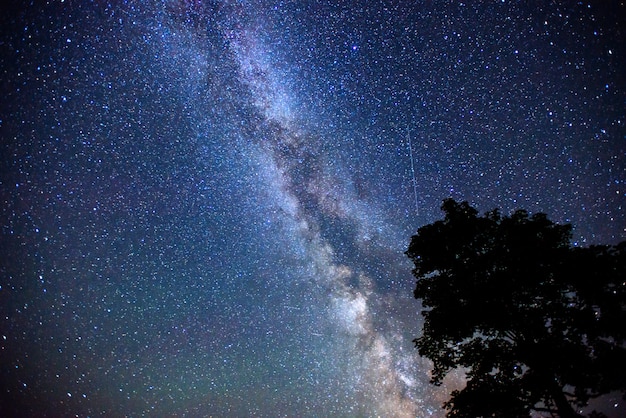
pixel 205 204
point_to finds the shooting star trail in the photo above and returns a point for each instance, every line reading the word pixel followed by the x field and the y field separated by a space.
pixel 408 134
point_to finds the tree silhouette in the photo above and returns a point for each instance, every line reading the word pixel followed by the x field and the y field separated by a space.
pixel 537 325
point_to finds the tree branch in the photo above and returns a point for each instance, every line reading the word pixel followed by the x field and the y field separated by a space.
pixel 549 410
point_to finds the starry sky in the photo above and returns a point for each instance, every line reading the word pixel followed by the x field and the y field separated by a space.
pixel 205 204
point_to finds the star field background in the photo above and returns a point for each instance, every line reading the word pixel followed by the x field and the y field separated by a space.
pixel 204 205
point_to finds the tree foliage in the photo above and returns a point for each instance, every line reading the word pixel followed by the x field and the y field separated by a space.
pixel 536 323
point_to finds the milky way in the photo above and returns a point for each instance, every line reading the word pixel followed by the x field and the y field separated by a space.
pixel 205 205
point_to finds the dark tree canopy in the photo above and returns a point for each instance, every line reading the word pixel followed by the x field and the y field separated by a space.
pixel 537 324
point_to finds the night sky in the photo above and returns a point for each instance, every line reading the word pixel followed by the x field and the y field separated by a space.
pixel 204 205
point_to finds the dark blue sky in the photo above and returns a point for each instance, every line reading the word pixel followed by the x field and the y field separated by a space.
pixel 205 204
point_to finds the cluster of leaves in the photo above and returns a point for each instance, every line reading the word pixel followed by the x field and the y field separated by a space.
pixel 536 323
